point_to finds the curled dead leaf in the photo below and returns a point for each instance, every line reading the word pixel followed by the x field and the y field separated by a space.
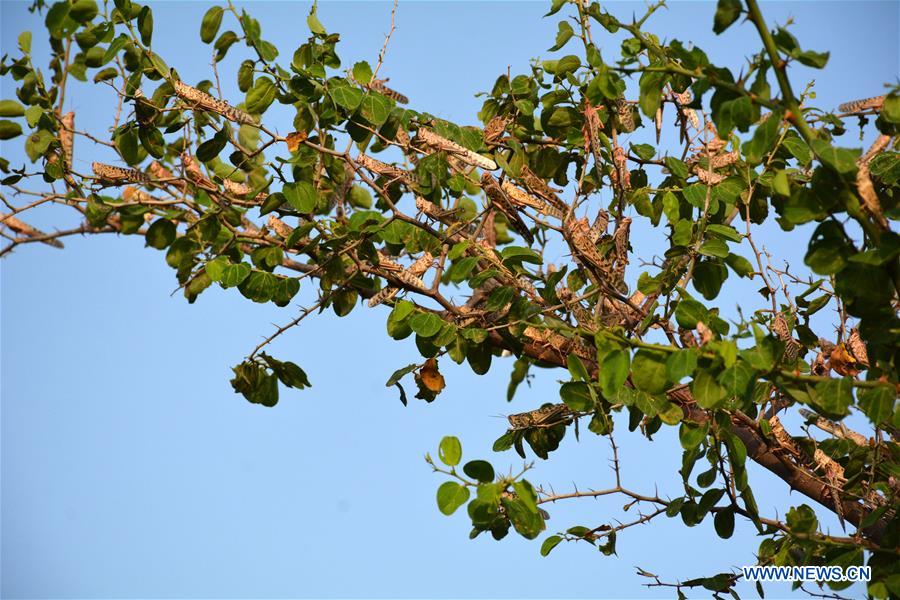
pixel 843 362
pixel 429 380
pixel 294 139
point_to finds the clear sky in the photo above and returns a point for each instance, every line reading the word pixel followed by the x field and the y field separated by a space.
pixel 131 469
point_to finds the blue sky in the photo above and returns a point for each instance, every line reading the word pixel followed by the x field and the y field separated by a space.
pixel 131 469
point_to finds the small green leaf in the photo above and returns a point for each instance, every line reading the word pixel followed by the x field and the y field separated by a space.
pixel 313 22
pixel 689 312
pixel 362 72
pixel 222 45
pixel 739 265
pixel 160 234
pixel 513 255
pixel 375 108
pixel 891 108
pixel 145 25
pixel 563 34
pixel 345 96
pixel 878 403
pixel 9 130
pixel 450 451
pixel 25 42
pixel 614 372
pixel 480 470
pixel 451 496
pixel 577 368
pixel 260 96
pixel 681 364
pixel 727 12
pixel 11 108
pixel 764 139
pixel 651 84
pixel 577 396
pixel 234 275
pixel 692 435
pixel 714 247
pixel 706 390
pixel 549 544
pixel 425 324
pixel 83 11
pixel 301 195
pixel 210 24
pixel 648 371
pixel 724 522
pixel 841 160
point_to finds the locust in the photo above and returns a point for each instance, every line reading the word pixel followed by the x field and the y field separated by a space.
pixel 545 416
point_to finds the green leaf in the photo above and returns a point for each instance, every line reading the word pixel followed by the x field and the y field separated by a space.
pixel 841 160
pixel 614 372
pixel 714 247
pixel 577 368
pixel 451 496
pixel 450 451
pixel 878 403
pixel 563 34
pixel 159 64
pixel 114 47
pixel 513 255
pixel 480 470
pixel 225 41
pixel 681 364
pixel 57 18
pixel 9 130
pixel 739 265
pixel 549 544
pixel 345 96
pixel 234 275
pixel 37 144
pixel 362 72
pixel 577 396
pixel 891 109
pixel 645 151
pixel 706 390
pixel 145 25
pixel 260 96
pixel 676 167
pixel 210 24
pixel 160 234
pixel 689 312
pixel 301 195
pixel 314 24
pixel 832 398
pixel 692 435
pixel 400 374
pixel 375 108
pixel 651 84
pixel 648 371
pixel 696 195
pixel 764 139
pixel 426 324
pixel 11 108
pixel 727 12
pixel 724 231
pixel 83 11
pixel 724 522
pixel 288 373
pixel 25 42
pixel 105 74
pixel 260 286
pixel 211 148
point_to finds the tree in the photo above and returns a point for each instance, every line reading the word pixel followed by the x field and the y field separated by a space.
pixel 395 207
